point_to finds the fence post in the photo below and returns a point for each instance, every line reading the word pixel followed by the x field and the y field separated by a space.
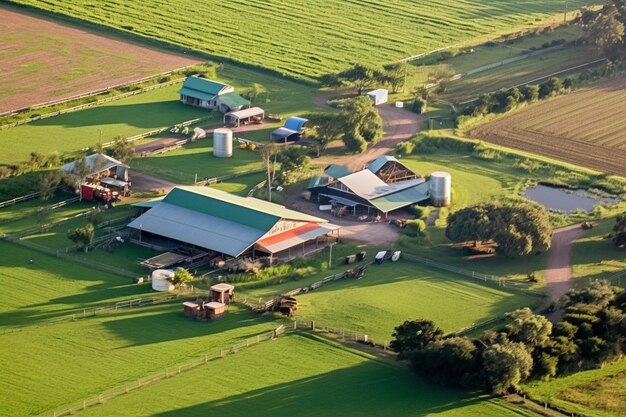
pixel 295 325
pixel 312 324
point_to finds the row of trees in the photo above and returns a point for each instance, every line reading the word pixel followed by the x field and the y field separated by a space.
pixel 516 229
pixel 362 77
pixel 592 332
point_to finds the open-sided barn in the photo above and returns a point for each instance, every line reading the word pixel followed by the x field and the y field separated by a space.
pixel 222 223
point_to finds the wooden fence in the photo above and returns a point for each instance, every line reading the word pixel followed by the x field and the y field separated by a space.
pixel 166 373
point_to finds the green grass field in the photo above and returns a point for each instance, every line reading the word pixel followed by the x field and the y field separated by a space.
pixel 593 393
pixel 141 113
pixel 307 40
pixel 301 375
pixel 392 293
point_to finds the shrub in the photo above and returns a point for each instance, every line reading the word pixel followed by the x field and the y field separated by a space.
pixel 405 148
pixel 415 227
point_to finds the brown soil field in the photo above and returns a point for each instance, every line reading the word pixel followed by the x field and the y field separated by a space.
pixel 586 128
pixel 43 60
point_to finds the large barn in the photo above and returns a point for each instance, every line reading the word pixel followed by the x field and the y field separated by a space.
pixel 222 223
pixel 384 186
pixel 209 94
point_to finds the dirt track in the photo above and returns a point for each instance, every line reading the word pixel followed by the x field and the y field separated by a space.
pixel 43 60
pixel 558 272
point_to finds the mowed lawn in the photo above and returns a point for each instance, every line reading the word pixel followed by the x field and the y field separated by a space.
pixel 48 366
pixel 308 39
pixel 593 393
pixel 394 292
pixel 300 375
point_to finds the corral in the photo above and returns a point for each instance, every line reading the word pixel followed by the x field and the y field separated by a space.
pixel 43 60
pixel 584 128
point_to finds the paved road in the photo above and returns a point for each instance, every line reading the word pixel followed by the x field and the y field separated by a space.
pixel 558 274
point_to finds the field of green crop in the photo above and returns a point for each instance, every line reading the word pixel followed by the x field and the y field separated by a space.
pixel 593 393
pixel 305 40
pixel 392 293
pixel 141 113
pixel 305 376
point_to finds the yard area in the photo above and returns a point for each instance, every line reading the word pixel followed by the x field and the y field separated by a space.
pixel 304 375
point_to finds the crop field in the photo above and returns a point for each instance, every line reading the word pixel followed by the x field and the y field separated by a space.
pixel 43 60
pixel 392 293
pixel 306 40
pixel 519 73
pixel 141 113
pixel 300 375
pixel 585 128
pixel 593 393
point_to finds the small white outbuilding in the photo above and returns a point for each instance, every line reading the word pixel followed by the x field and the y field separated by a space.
pixel 378 96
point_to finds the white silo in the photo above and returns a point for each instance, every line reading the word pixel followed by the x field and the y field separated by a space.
pixel 223 143
pixel 160 280
pixel 440 188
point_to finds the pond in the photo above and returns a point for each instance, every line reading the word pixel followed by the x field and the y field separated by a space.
pixel 566 200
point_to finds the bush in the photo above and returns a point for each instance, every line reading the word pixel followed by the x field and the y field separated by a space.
pixel 420 212
pixel 416 227
pixel 405 148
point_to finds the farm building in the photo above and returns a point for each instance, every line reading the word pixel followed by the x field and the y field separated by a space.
pixel 384 186
pixel 245 116
pixel 291 131
pixel 201 92
pixel 99 177
pixel 378 96
pixel 222 226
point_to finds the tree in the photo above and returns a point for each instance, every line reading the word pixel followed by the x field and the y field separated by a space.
pixel 360 76
pixel 470 224
pixel 181 276
pixel 414 335
pixel 43 217
pixel 75 177
pixel 598 294
pixel 123 150
pixel 293 162
pixel 268 156
pixel 328 127
pixel 619 237
pixel 395 74
pixel 363 124
pixel 506 365
pixel 530 329
pixel 453 361
pixel 48 182
pixel 607 32
pixel 82 236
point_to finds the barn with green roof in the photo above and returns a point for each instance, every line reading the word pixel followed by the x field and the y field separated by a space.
pixel 222 223
pixel 209 94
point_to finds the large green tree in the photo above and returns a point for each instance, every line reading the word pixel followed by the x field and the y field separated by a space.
pixel 363 124
pixel 361 76
pixel 454 361
pixel 294 162
pixel 82 236
pixel 328 127
pixel 606 28
pixel 506 365
pixel 414 335
pixel 531 329
pixel 619 236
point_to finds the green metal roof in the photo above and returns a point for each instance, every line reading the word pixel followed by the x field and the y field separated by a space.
pixel 204 85
pixel 336 171
pixel 401 199
pixel 148 203
pixel 234 100
pixel 196 94
pixel 247 211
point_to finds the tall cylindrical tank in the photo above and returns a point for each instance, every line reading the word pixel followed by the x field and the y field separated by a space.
pixel 160 280
pixel 223 143
pixel 440 188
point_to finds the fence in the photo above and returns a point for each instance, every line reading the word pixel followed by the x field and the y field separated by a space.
pixel 215 180
pixel 23 198
pixel 167 373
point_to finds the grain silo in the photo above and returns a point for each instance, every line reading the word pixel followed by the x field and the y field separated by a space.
pixel 161 280
pixel 223 143
pixel 440 188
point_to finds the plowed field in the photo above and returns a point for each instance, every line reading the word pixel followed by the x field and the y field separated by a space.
pixel 42 60
pixel 586 128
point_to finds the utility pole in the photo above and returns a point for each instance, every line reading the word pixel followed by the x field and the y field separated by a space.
pixel 330 256
pixel 565 13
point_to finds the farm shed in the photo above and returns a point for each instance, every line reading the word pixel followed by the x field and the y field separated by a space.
pixel 236 118
pixel 99 177
pixel 378 96
pixel 223 293
pixel 209 94
pixel 291 131
pixel 232 226
pixel 386 185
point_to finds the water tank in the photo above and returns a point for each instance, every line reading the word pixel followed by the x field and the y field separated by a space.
pixel 440 186
pixel 160 280
pixel 223 143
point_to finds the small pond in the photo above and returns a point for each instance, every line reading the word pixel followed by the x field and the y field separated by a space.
pixel 565 200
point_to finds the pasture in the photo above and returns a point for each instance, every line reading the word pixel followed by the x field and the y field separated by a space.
pixel 593 393
pixel 392 293
pixel 141 113
pixel 301 375
pixel 43 60
pixel 306 40
pixel 583 128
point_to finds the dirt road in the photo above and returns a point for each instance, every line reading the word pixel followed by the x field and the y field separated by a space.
pixel 144 182
pixel 558 273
